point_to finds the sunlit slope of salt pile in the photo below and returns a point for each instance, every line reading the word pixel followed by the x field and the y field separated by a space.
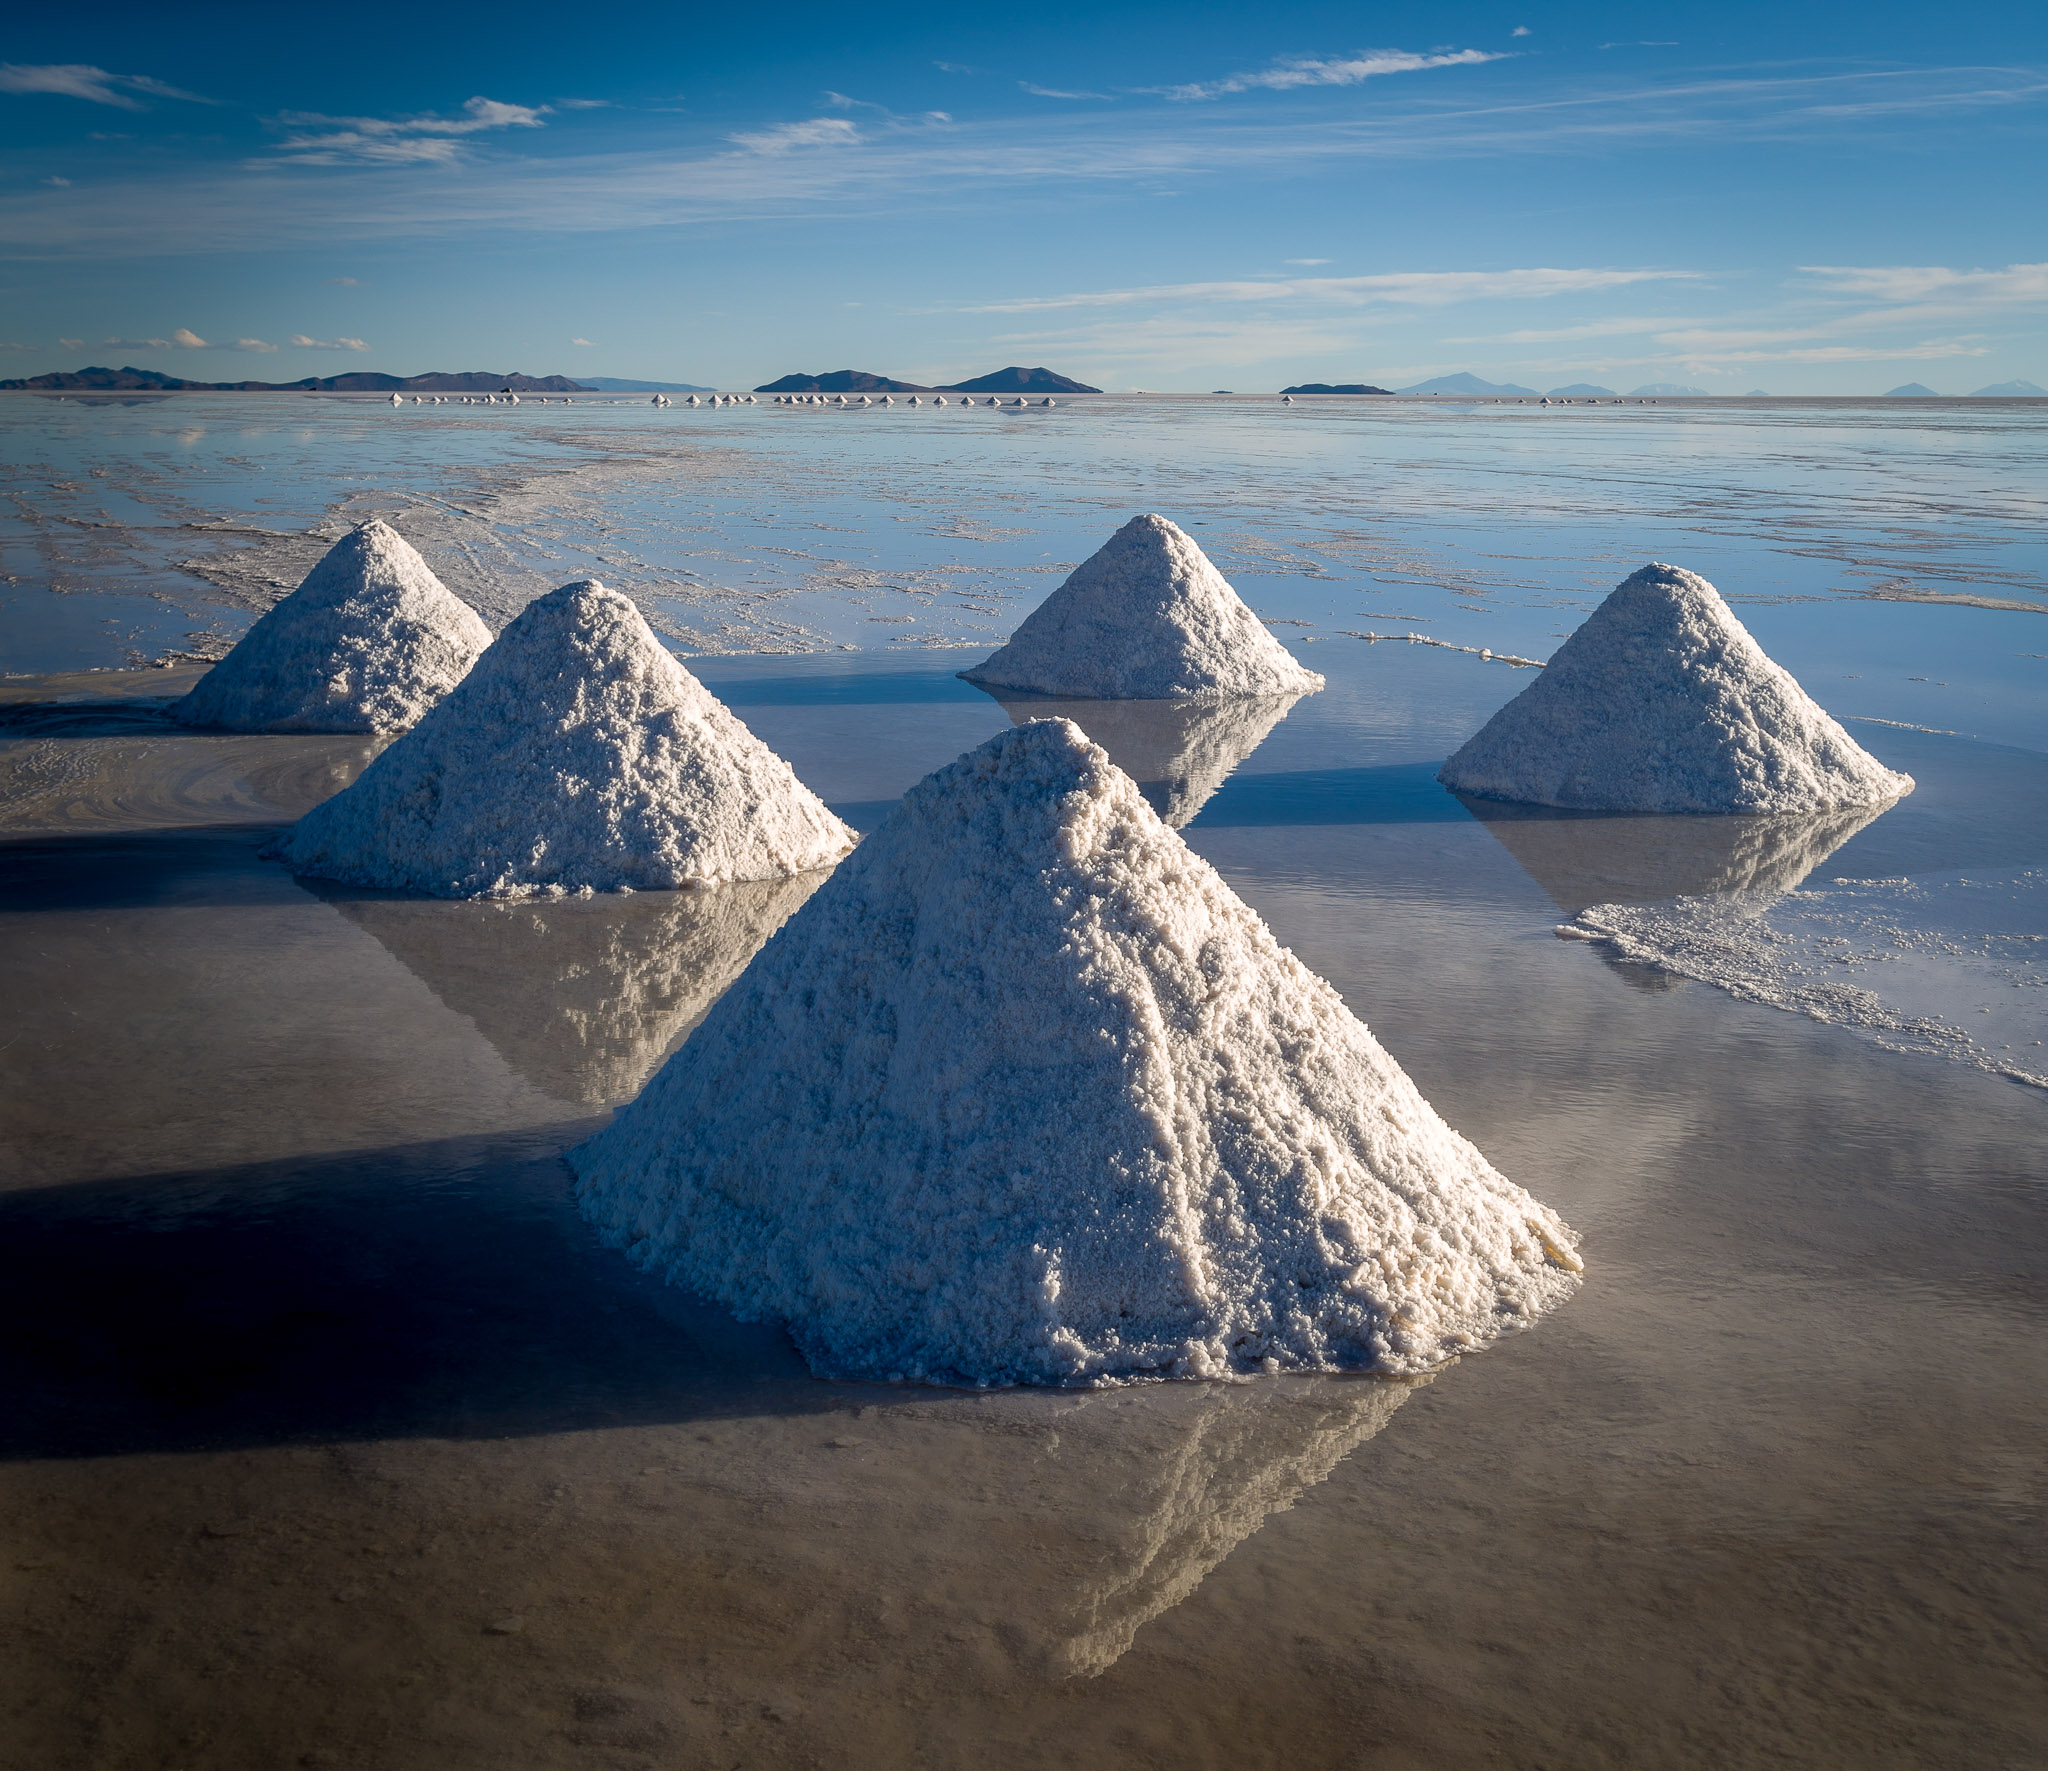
pixel 578 754
pixel 1662 702
pixel 368 643
pixel 1025 1093
pixel 1147 617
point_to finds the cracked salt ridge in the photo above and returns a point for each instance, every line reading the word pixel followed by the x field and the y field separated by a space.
pixel 1026 1094
pixel 1951 965
pixel 1423 639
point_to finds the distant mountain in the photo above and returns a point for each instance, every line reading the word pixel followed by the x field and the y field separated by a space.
pixel 473 381
pixel 1020 381
pixel 2011 390
pixel 1670 390
pixel 1340 387
pixel 1470 384
pixel 841 381
pixel 1756 393
pixel 1583 390
pixel 1911 390
pixel 611 384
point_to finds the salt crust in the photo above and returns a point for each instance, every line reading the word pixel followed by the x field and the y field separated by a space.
pixel 1662 702
pixel 1026 1094
pixel 368 643
pixel 577 756
pixel 1146 617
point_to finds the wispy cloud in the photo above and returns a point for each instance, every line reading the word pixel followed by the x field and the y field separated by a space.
pixel 787 138
pixel 588 344
pixel 346 282
pixel 2017 285
pixel 1305 261
pixel 1306 70
pixel 255 346
pixel 1410 288
pixel 427 139
pixel 1055 92
pixel 300 341
pixel 94 85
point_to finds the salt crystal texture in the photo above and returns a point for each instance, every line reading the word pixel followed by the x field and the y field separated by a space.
pixel 577 755
pixel 1026 1094
pixel 1147 617
pixel 1662 702
pixel 368 643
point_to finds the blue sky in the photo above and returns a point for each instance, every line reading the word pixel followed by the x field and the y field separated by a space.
pixel 1802 199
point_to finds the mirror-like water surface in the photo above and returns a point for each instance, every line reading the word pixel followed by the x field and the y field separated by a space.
pixel 330 1436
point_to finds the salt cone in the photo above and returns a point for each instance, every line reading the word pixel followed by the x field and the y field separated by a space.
pixel 1026 1094
pixel 577 755
pixel 1662 702
pixel 1146 617
pixel 368 643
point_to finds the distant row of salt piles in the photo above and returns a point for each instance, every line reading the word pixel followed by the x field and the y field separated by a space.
pixel 1024 1092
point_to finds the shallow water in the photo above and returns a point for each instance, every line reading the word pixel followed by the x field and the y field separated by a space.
pixel 332 1432
pixel 330 1435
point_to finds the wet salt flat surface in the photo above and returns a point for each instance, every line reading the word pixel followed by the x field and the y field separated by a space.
pixel 331 1436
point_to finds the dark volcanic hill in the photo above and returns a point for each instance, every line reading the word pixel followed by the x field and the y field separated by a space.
pixel 1020 381
pixel 471 381
pixel 1341 387
pixel 842 381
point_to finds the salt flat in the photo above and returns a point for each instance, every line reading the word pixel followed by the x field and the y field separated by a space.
pixel 330 1431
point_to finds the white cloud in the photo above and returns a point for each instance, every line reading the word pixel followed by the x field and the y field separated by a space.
pixel 140 344
pixel 427 139
pixel 1305 261
pixel 1408 288
pixel 255 346
pixel 188 340
pixel 2017 285
pixel 1519 31
pixel 302 342
pixel 588 344
pixel 95 85
pixel 1305 70
pixel 1055 92
pixel 62 184
pixel 346 282
pixel 783 138
pixel 72 344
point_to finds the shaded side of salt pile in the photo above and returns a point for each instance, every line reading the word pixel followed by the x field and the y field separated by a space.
pixel 577 755
pixel 1026 1094
pixel 1147 617
pixel 1662 702
pixel 368 643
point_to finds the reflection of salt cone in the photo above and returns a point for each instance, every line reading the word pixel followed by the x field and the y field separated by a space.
pixel 1182 1488
pixel 1581 860
pixel 1178 752
pixel 582 996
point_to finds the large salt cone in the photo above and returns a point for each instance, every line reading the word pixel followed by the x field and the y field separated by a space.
pixel 1026 1094
pixel 577 755
pixel 1146 617
pixel 1662 702
pixel 368 643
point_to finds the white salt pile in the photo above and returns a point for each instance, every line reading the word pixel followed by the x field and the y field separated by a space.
pixel 368 643
pixel 1662 702
pixel 577 755
pixel 1026 1094
pixel 1146 618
